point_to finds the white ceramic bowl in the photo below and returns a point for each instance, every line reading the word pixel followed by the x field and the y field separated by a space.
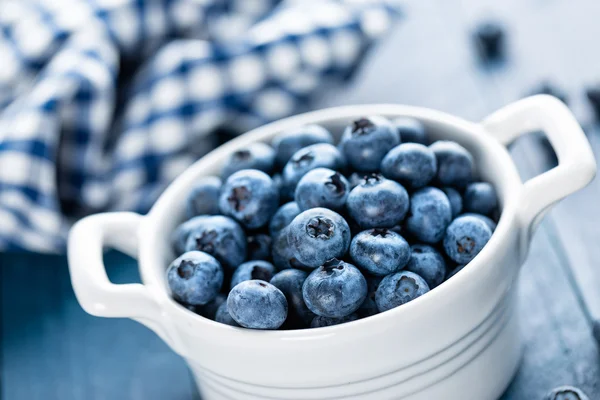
pixel 460 339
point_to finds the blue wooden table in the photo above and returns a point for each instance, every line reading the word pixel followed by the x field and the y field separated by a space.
pixel 50 349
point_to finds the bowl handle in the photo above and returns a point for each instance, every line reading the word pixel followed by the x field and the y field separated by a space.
pixel 96 294
pixel 576 162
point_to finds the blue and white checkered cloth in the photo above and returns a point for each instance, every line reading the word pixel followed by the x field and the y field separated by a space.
pixel 104 102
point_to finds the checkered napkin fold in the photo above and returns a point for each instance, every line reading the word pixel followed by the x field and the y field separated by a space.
pixel 104 102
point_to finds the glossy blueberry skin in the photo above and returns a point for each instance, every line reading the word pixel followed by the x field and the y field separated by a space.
pixel 204 198
pixel 488 221
pixel 412 164
pixel 399 288
pixel 259 247
pixel 429 216
pixel 379 251
pixel 250 197
pixel 321 155
pixel 257 269
pixel 428 263
pixel 290 283
pixel 257 155
pixel 281 252
pixel 566 393
pixel 283 216
pixel 257 304
pixel 465 237
pixel 289 142
pixel 219 236
pixel 456 201
pixel 322 322
pixel 209 310
pixel 377 202
pixel 318 235
pixel 322 187
pixel 195 278
pixel 480 198
pixel 367 140
pixel 455 164
pixel 411 130
pixel 334 290
pixel 224 317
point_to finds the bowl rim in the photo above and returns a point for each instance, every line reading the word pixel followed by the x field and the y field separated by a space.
pixel 473 270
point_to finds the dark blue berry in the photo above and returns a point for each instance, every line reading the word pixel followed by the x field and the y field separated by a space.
pixel 488 221
pixel 322 187
pixel 566 393
pixel 367 140
pixel 257 304
pixel 224 317
pixel 454 162
pixel 257 269
pixel 195 278
pixel 219 236
pixel 204 197
pixel 429 216
pixel 412 164
pixel 290 283
pixel 428 263
pixel 318 235
pixel 378 202
pixel 289 142
pixel 399 288
pixel 380 251
pixel 257 155
pixel 250 197
pixel 322 322
pixel 369 307
pixel 180 235
pixel 480 198
pixel 456 201
pixel 455 271
pixel 259 247
pixel 320 155
pixel 209 310
pixel 465 237
pixel 334 290
pixel 283 216
pixel 354 179
pixel 411 130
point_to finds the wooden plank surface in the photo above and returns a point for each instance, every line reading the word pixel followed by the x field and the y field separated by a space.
pixel 51 349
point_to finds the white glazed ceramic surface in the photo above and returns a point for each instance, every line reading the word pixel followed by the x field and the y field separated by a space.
pixel 459 339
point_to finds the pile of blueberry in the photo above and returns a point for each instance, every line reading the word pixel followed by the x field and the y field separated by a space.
pixel 301 233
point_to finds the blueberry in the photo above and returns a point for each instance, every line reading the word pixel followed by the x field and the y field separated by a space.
pixel 290 283
pixel 489 40
pixel 195 278
pixel 257 269
pixel 454 162
pixel 290 141
pixel 320 155
pixel 257 155
pixel 250 197
pixel 465 237
pixel 257 304
pixel 456 201
pixel 283 216
pixel 282 253
pixel 455 271
pixel 429 216
pixel 412 164
pixel 209 310
pixel 411 130
pixel 322 187
pixel 321 322
pixel 204 197
pixel 369 307
pixel 220 237
pixel 224 317
pixel 399 288
pixel 180 235
pixel 380 251
pixel 378 202
pixel 317 235
pixel 354 179
pixel 259 247
pixel 367 140
pixel 334 290
pixel 428 263
pixel 480 198
pixel 566 393
pixel 488 221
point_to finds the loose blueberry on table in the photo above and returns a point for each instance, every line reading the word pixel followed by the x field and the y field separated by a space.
pixel 302 234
